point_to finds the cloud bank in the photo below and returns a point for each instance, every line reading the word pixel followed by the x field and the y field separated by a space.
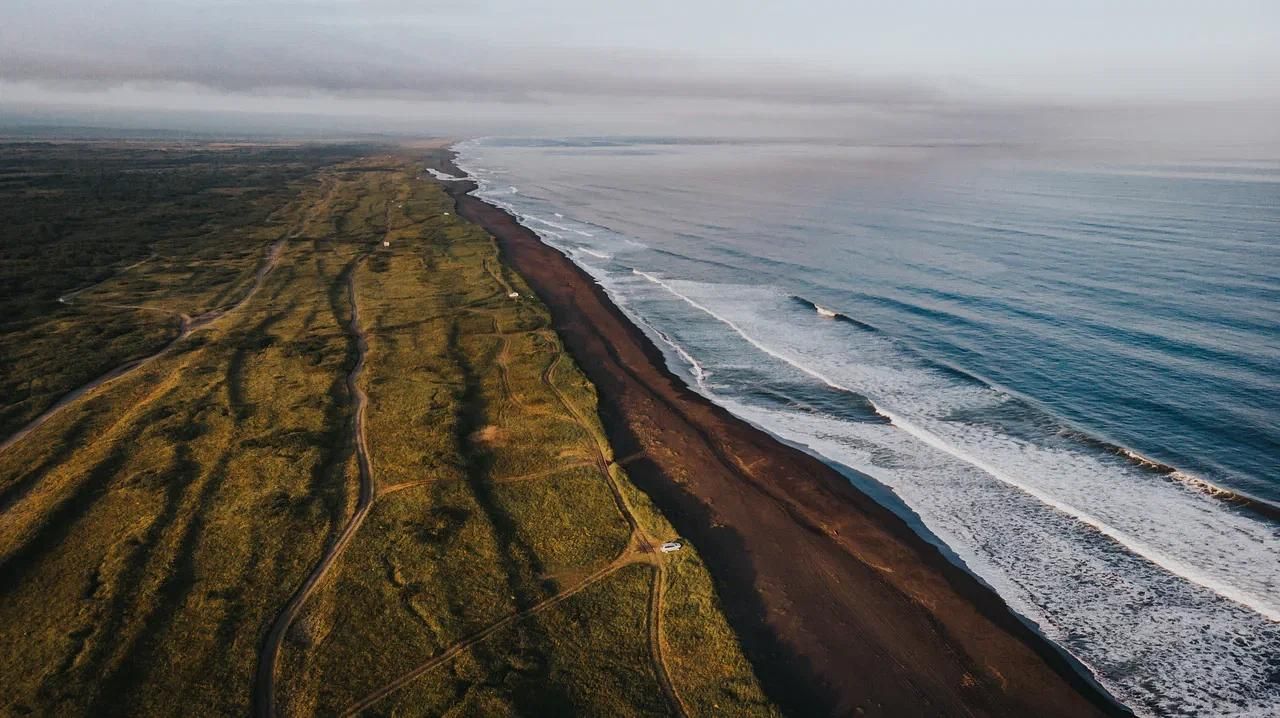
pixel 470 69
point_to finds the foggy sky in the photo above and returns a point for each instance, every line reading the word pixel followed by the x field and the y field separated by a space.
pixel 999 71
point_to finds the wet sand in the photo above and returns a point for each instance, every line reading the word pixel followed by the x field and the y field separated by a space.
pixel 841 607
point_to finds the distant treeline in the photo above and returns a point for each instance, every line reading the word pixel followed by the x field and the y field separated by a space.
pixel 72 213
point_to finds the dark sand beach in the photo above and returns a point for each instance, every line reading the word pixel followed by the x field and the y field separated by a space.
pixel 842 608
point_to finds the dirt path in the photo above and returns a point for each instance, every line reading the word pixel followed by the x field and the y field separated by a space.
pixel 507 289
pixel 532 475
pixel 264 695
pixel 657 643
pixel 368 701
pixel 66 298
pixel 645 544
pixel 640 549
pixel 187 325
pixel 624 507
pixel 503 361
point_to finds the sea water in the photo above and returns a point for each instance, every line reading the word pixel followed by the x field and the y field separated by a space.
pixel 1066 373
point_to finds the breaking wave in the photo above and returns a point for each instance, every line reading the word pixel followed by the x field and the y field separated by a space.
pixel 1165 584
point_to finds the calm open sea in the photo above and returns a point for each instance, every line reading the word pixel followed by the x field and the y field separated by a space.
pixel 1047 368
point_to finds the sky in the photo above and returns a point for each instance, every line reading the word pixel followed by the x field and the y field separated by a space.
pixel 1035 73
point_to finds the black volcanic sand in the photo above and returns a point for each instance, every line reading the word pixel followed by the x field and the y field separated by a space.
pixel 841 607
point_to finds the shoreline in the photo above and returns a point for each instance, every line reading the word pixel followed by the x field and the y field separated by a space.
pixel 841 606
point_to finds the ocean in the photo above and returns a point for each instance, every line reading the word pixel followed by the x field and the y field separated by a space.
pixel 1063 373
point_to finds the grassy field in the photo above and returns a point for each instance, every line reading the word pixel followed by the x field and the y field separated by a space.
pixel 75 216
pixel 355 475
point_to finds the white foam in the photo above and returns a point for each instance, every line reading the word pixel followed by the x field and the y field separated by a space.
pixel 592 252
pixel 532 214
pixel 1237 585
pixel 1154 551
pixel 696 369
pixel 1162 645
pixel 1263 605
pixel 548 222
pixel 1167 594
pixel 445 177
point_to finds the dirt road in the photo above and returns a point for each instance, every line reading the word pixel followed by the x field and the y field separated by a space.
pixel 186 326
pixel 264 694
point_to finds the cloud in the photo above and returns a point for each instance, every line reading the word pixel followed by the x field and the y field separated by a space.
pixel 325 58
pixel 447 64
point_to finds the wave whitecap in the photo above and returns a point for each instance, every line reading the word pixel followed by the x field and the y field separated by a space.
pixel 1263 604
pixel 1030 504
pixel 445 176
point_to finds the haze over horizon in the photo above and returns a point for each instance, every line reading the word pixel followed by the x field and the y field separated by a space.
pixel 1142 75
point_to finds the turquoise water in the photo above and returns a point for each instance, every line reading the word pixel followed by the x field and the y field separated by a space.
pixel 1056 370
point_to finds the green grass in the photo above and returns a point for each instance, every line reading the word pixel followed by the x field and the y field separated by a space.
pixel 578 658
pixel 80 216
pixel 154 530
pixel 157 525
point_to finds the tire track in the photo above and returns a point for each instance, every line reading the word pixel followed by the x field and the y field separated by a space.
pixel 264 695
pixel 639 550
pixel 624 507
pixel 658 587
pixel 370 700
pixel 657 645
pixel 383 491
pixel 187 325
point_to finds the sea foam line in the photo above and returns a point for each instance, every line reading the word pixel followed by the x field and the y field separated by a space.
pixel 444 176
pixel 695 366
pixel 1140 548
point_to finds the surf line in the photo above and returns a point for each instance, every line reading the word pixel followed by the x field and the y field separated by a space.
pixel 1140 548
pixel 695 366
pixel 446 177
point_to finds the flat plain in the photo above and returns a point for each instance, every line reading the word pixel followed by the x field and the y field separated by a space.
pixel 284 435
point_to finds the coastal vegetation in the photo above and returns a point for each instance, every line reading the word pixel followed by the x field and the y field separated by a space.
pixel 74 215
pixel 341 463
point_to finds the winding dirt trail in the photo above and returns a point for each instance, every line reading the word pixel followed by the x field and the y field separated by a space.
pixel 643 540
pixel 503 361
pixel 187 325
pixel 264 695
pixel 657 644
pixel 645 545
pixel 497 277
pixel 66 298
pixel 624 507
pixel 639 549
